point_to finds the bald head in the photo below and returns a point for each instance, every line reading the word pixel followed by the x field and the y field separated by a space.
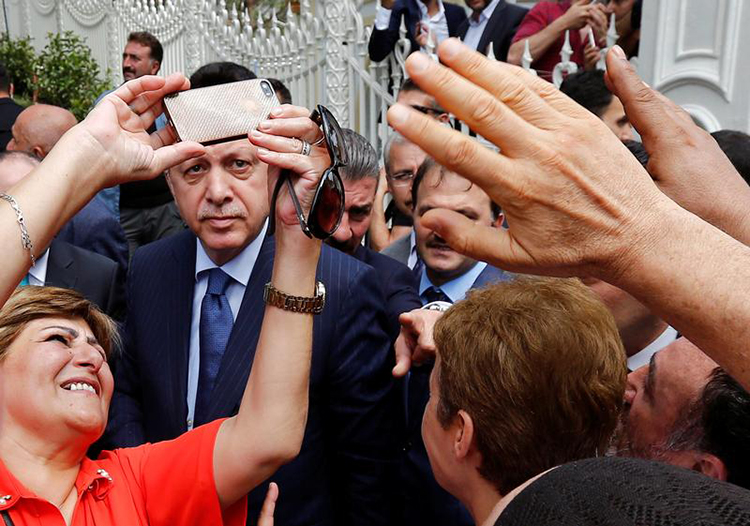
pixel 14 166
pixel 38 128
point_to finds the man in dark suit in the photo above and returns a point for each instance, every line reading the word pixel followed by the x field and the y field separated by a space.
pixel 64 265
pixel 422 18
pixel 491 22
pixel 342 475
pixel 360 178
pixel 444 276
pixel 94 228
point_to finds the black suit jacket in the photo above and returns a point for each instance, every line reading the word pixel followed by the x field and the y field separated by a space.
pixel 500 29
pixel 96 229
pixel 382 42
pixel 398 283
pixel 342 474
pixel 9 111
pixel 93 275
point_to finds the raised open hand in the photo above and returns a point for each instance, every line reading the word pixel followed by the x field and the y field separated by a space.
pixel 576 201
pixel 685 161
pixel 113 139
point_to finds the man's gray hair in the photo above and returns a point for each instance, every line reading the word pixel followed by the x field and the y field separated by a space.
pixel 394 138
pixel 362 160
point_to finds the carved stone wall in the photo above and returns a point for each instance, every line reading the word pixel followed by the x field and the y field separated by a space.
pixel 698 57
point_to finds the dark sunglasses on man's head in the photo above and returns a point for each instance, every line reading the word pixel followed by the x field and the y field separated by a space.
pixel 327 207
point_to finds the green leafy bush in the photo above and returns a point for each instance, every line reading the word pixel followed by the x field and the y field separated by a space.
pixel 68 75
pixel 18 57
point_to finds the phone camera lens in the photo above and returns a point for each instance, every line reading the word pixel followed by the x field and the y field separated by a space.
pixel 267 88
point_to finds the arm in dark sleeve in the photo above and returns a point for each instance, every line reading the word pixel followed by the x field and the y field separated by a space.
pixel 382 42
pixel 363 407
pixel 457 18
pixel 401 296
pixel 108 238
pixel 125 427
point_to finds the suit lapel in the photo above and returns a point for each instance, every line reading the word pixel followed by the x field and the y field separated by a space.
pixel 462 29
pixel 181 276
pixel 494 27
pixel 240 351
pixel 60 267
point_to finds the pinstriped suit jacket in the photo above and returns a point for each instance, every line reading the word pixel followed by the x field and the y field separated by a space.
pixel 350 445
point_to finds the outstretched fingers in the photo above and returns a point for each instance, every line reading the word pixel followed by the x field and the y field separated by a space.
pixel 647 109
pixel 531 98
pixel 456 151
pixel 168 156
pixel 142 92
pixel 487 115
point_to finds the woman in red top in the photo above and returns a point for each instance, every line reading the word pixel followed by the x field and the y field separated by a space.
pixel 54 345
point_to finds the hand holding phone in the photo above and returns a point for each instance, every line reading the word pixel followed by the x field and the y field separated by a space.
pixel 221 113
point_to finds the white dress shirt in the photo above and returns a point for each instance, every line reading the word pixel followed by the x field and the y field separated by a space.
pixel 477 27
pixel 437 23
pixel 38 272
pixel 643 357
pixel 239 268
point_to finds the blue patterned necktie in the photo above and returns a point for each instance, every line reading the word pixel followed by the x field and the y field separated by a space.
pixel 434 294
pixel 215 327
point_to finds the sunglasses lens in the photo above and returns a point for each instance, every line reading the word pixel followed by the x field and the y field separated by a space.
pixel 329 205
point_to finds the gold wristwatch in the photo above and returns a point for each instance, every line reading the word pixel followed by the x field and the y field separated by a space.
pixel 307 305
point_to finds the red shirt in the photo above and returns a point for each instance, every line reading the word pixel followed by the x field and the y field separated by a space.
pixel 540 16
pixel 164 484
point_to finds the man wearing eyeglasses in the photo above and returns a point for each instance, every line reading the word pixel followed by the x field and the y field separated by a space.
pixel 196 304
pixel 401 159
pixel 424 19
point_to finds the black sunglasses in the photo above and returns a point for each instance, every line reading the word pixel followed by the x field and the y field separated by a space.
pixel 328 202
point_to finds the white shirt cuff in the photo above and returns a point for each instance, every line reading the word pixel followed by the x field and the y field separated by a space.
pixel 382 18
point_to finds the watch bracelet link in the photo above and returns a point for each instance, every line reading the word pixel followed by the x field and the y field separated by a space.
pixel 302 304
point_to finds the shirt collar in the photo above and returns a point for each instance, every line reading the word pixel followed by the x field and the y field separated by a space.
pixel 39 269
pixel 643 357
pixel 90 477
pixel 457 288
pixel 240 267
pixel 423 10
pixel 485 14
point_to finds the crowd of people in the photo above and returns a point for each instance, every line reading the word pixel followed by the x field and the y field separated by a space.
pixel 547 331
